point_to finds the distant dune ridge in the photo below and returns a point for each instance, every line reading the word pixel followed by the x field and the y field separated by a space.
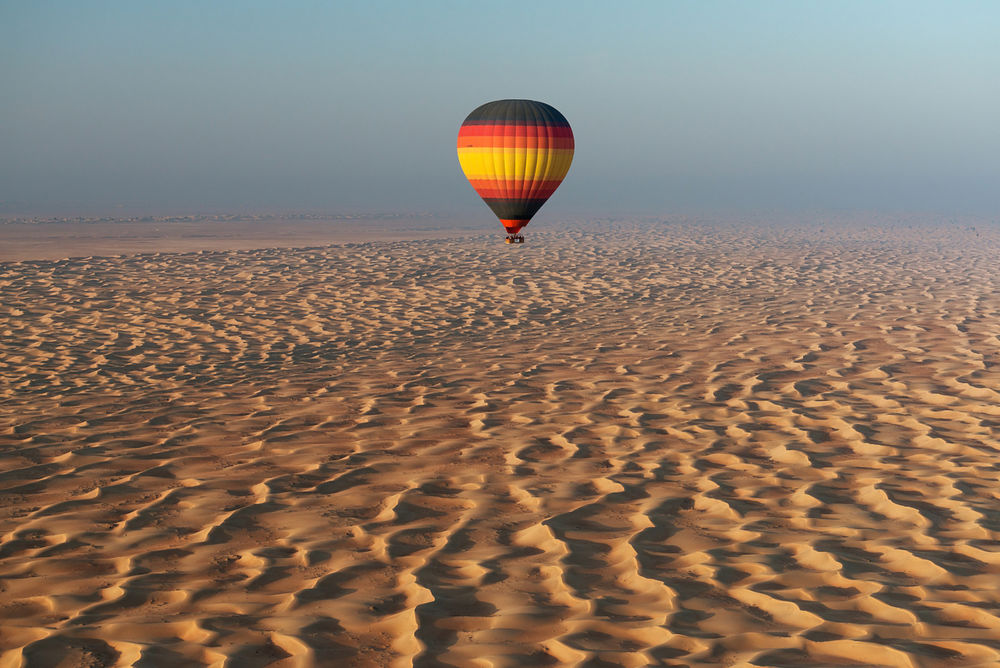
pixel 669 445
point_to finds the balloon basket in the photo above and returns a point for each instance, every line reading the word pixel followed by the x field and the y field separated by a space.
pixel 514 239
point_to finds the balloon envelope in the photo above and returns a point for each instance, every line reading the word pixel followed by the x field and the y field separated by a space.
pixel 515 154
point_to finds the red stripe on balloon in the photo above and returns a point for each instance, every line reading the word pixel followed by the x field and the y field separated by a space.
pixel 497 141
pixel 512 129
pixel 503 189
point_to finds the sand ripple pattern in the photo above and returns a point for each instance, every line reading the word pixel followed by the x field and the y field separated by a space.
pixel 674 445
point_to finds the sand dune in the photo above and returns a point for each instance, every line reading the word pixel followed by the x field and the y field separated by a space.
pixel 58 238
pixel 671 445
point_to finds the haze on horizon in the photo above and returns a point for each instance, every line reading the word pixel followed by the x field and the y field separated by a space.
pixel 355 106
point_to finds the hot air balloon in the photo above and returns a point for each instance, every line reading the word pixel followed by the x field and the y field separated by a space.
pixel 515 154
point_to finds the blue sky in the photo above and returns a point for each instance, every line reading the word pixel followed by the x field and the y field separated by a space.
pixel 354 106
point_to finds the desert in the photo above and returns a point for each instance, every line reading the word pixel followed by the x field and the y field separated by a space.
pixel 623 443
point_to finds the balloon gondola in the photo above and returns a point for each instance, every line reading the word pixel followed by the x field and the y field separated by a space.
pixel 515 154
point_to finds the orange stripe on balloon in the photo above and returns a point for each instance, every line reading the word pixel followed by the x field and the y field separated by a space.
pixel 504 189
pixel 513 226
pixel 500 141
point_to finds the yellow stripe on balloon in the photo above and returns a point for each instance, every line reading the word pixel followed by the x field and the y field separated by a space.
pixel 508 164
pixel 558 165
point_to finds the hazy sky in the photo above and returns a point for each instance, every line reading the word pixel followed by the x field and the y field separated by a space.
pixel 354 106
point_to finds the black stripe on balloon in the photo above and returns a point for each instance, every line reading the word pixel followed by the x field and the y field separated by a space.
pixel 516 111
pixel 514 209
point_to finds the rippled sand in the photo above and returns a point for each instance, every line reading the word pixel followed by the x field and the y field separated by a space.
pixel 676 445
